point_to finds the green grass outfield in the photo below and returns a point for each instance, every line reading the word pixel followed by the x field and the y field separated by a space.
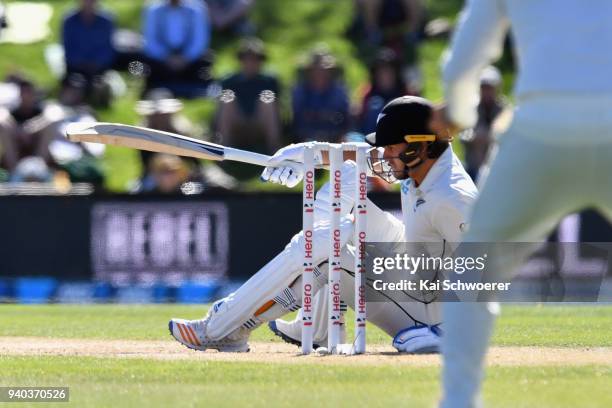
pixel 123 382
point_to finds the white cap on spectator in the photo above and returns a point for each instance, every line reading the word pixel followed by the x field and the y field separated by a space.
pixel 490 76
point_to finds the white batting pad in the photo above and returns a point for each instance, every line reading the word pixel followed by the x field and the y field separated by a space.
pixel 230 313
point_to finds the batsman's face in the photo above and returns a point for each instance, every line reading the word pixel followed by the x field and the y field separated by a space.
pixel 391 156
pixel 386 164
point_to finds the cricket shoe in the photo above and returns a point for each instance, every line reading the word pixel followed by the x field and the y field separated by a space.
pixel 192 334
pixel 290 332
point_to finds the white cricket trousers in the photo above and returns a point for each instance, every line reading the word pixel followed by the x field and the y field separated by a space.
pixel 555 159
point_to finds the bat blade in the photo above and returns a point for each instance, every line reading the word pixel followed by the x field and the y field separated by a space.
pixel 144 139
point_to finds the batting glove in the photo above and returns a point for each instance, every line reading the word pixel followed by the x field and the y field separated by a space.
pixel 287 175
pixel 293 153
pixel 281 169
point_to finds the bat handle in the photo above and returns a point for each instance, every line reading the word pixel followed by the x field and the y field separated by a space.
pixel 257 159
pixel 245 156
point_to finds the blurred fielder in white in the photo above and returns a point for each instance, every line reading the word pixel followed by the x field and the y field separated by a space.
pixel 556 156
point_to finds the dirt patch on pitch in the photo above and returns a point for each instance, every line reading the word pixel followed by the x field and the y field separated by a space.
pixel 285 353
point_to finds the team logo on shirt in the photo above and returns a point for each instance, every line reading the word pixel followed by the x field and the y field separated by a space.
pixel 418 202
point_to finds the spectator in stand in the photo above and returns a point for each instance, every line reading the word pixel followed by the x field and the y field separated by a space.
pixel 231 15
pixel 386 83
pixel 87 34
pixel 320 101
pixel 80 161
pixel 30 101
pixel 3 23
pixel 36 129
pixel 72 93
pixel 8 154
pixel 160 110
pixel 20 127
pixel 167 174
pixel 397 24
pixel 413 80
pixel 177 37
pixel 248 114
pixel 477 141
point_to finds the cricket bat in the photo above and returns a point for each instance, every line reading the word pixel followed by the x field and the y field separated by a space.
pixel 158 141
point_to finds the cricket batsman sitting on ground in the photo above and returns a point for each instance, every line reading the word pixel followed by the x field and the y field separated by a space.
pixel 436 194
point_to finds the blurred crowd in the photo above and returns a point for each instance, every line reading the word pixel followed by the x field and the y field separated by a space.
pixel 172 56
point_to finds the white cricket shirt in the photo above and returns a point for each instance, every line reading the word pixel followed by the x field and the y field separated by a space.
pixel 438 209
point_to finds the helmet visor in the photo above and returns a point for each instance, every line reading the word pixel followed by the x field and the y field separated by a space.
pixel 382 167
